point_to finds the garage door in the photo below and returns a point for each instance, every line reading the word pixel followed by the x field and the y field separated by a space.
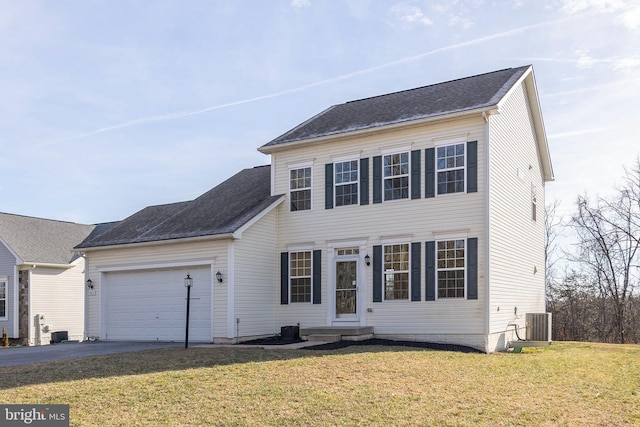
pixel 150 305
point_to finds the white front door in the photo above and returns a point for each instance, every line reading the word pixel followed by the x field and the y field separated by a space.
pixel 346 288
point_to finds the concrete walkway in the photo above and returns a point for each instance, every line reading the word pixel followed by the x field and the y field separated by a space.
pixel 14 356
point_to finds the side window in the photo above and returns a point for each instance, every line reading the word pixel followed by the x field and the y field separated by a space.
pixel 396 271
pixel 450 163
pixel 300 189
pixel 450 266
pixel 396 176
pixel 346 183
pixel 3 298
pixel 300 276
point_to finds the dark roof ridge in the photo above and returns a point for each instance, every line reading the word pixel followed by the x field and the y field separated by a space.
pixel 42 219
pixel 434 84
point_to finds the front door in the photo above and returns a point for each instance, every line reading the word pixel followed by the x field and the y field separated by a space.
pixel 347 289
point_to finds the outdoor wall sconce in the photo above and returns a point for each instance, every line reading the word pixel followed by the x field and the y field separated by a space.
pixel 89 283
pixel 219 276
pixel 367 259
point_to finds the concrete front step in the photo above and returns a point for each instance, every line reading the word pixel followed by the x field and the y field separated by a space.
pixel 324 337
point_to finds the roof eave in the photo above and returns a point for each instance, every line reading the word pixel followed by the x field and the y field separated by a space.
pixel 211 237
pixel 384 128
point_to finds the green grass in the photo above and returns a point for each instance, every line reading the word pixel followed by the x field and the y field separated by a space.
pixel 565 384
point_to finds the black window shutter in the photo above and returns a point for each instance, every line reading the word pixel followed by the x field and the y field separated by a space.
pixel 284 278
pixel 316 282
pixel 472 268
pixel 430 271
pixel 364 181
pixel 415 174
pixel 415 271
pixel 377 179
pixel 377 273
pixel 328 186
pixel 472 166
pixel 430 172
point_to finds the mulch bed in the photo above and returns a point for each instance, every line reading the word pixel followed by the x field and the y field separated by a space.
pixel 382 342
pixel 277 340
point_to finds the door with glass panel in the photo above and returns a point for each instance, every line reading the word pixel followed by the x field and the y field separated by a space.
pixel 346 289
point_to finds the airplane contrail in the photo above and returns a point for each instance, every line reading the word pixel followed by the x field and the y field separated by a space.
pixel 182 114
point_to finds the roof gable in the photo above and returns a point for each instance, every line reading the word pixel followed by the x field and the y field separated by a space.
pixel 456 96
pixel 38 240
pixel 221 210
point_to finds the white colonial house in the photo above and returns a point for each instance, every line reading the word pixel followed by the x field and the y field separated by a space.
pixel 41 280
pixel 416 215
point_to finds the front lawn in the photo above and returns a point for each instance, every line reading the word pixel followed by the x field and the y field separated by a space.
pixel 565 384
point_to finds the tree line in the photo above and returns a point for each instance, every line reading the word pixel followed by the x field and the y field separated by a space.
pixel 591 287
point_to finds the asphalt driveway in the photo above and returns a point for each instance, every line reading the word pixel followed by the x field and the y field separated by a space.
pixel 48 353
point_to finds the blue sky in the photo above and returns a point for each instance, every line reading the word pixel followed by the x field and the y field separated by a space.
pixel 110 106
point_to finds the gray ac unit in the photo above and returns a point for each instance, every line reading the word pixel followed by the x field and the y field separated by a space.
pixel 538 326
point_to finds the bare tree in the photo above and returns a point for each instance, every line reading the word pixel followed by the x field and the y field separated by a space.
pixel 608 233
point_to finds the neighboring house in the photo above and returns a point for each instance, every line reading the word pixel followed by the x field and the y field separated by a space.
pixel 41 278
pixel 417 214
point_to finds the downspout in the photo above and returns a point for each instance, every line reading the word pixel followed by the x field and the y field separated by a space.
pixel 231 313
pixel 487 224
pixel 16 303
pixel 86 298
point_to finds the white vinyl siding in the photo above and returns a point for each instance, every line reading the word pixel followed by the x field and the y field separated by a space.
pixel 256 288
pixel 516 242
pixel 58 295
pixel 378 223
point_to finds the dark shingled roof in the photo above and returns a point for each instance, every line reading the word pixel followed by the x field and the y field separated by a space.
pixel 221 210
pixel 42 241
pixel 470 93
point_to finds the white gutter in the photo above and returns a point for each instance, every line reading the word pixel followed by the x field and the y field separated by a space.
pixel 30 265
pixel 158 242
pixel 487 225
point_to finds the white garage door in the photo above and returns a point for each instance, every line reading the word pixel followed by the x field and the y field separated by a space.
pixel 150 305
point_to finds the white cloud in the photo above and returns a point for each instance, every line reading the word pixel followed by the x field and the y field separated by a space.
pixel 584 60
pixel 300 3
pixel 410 13
pixel 601 6
pixel 631 18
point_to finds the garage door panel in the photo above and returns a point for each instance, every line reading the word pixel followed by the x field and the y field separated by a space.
pixel 150 305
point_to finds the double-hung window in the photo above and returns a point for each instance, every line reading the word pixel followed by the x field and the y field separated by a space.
pixel 346 182
pixel 3 298
pixel 396 271
pixel 300 188
pixel 300 276
pixel 451 266
pixel 396 176
pixel 450 163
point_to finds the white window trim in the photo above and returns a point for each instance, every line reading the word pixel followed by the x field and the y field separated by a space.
pixel 5 280
pixel 300 166
pixel 408 174
pixel 466 258
pixel 408 271
pixel 357 181
pixel 310 276
pixel 464 168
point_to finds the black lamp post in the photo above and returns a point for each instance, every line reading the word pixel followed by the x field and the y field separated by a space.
pixel 188 282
